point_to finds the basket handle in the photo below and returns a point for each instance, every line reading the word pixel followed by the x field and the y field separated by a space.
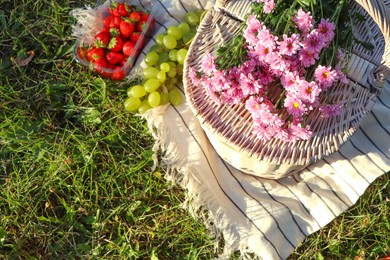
pixel 380 13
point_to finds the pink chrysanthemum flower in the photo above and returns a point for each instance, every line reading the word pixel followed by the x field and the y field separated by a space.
pixel 249 84
pixel 303 20
pixel 260 109
pixel 233 95
pixel 269 6
pixel 289 45
pixel 253 105
pixel 195 79
pixel 261 51
pixel 219 81
pixel 280 133
pixel 307 58
pixel 308 91
pixel 253 25
pixel 208 64
pixel 329 110
pixel 210 90
pixel 298 132
pixel 264 75
pixel 261 131
pixel 341 76
pixel 289 81
pixel 325 76
pixel 326 29
pixel 276 63
pixel 313 42
pixel 294 106
pixel 266 38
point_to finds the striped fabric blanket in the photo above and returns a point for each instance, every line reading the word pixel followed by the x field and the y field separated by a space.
pixel 267 218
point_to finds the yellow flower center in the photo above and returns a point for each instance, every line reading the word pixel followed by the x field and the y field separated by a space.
pixel 295 104
pixel 326 74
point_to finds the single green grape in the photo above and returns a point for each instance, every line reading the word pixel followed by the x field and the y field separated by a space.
pixel 175 32
pixel 137 91
pixel 144 106
pixel 128 92
pixel 165 67
pixel 159 39
pixel 173 55
pixel 175 97
pixel 132 103
pixel 154 99
pixel 181 55
pixel 192 18
pixel 149 73
pixel 151 85
pixel 151 58
pixel 155 48
pixel 184 28
pixel 161 76
pixel 169 42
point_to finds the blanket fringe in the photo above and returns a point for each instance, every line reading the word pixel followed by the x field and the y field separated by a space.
pixel 206 208
pixel 86 21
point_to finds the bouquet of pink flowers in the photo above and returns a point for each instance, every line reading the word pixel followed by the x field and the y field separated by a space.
pixel 281 65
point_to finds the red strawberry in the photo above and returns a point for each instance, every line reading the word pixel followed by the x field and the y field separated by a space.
pixel 140 26
pixel 100 65
pixel 128 48
pixel 116 43
pixel 119 9
pixel 135 36
pixel 102 39
pixel 126 27
pixel 105 29
pixel 114 57
pixel 144 16
pixel 115 21
pixel 107 21
pixel 135 16
pixel 95 53
pixel 118 74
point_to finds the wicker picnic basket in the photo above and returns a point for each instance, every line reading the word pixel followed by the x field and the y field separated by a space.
pixel 229 128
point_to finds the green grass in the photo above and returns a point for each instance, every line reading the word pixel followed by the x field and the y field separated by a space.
pixel 75 168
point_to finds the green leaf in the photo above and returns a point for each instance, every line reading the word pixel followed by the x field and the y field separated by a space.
pixel 153 256
pixel 319 256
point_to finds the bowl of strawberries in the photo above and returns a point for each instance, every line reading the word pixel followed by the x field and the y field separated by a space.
pixel 111 46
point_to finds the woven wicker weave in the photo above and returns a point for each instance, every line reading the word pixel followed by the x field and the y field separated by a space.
pixel 229 128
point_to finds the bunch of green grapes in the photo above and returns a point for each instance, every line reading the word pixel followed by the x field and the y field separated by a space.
pixel 164 67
